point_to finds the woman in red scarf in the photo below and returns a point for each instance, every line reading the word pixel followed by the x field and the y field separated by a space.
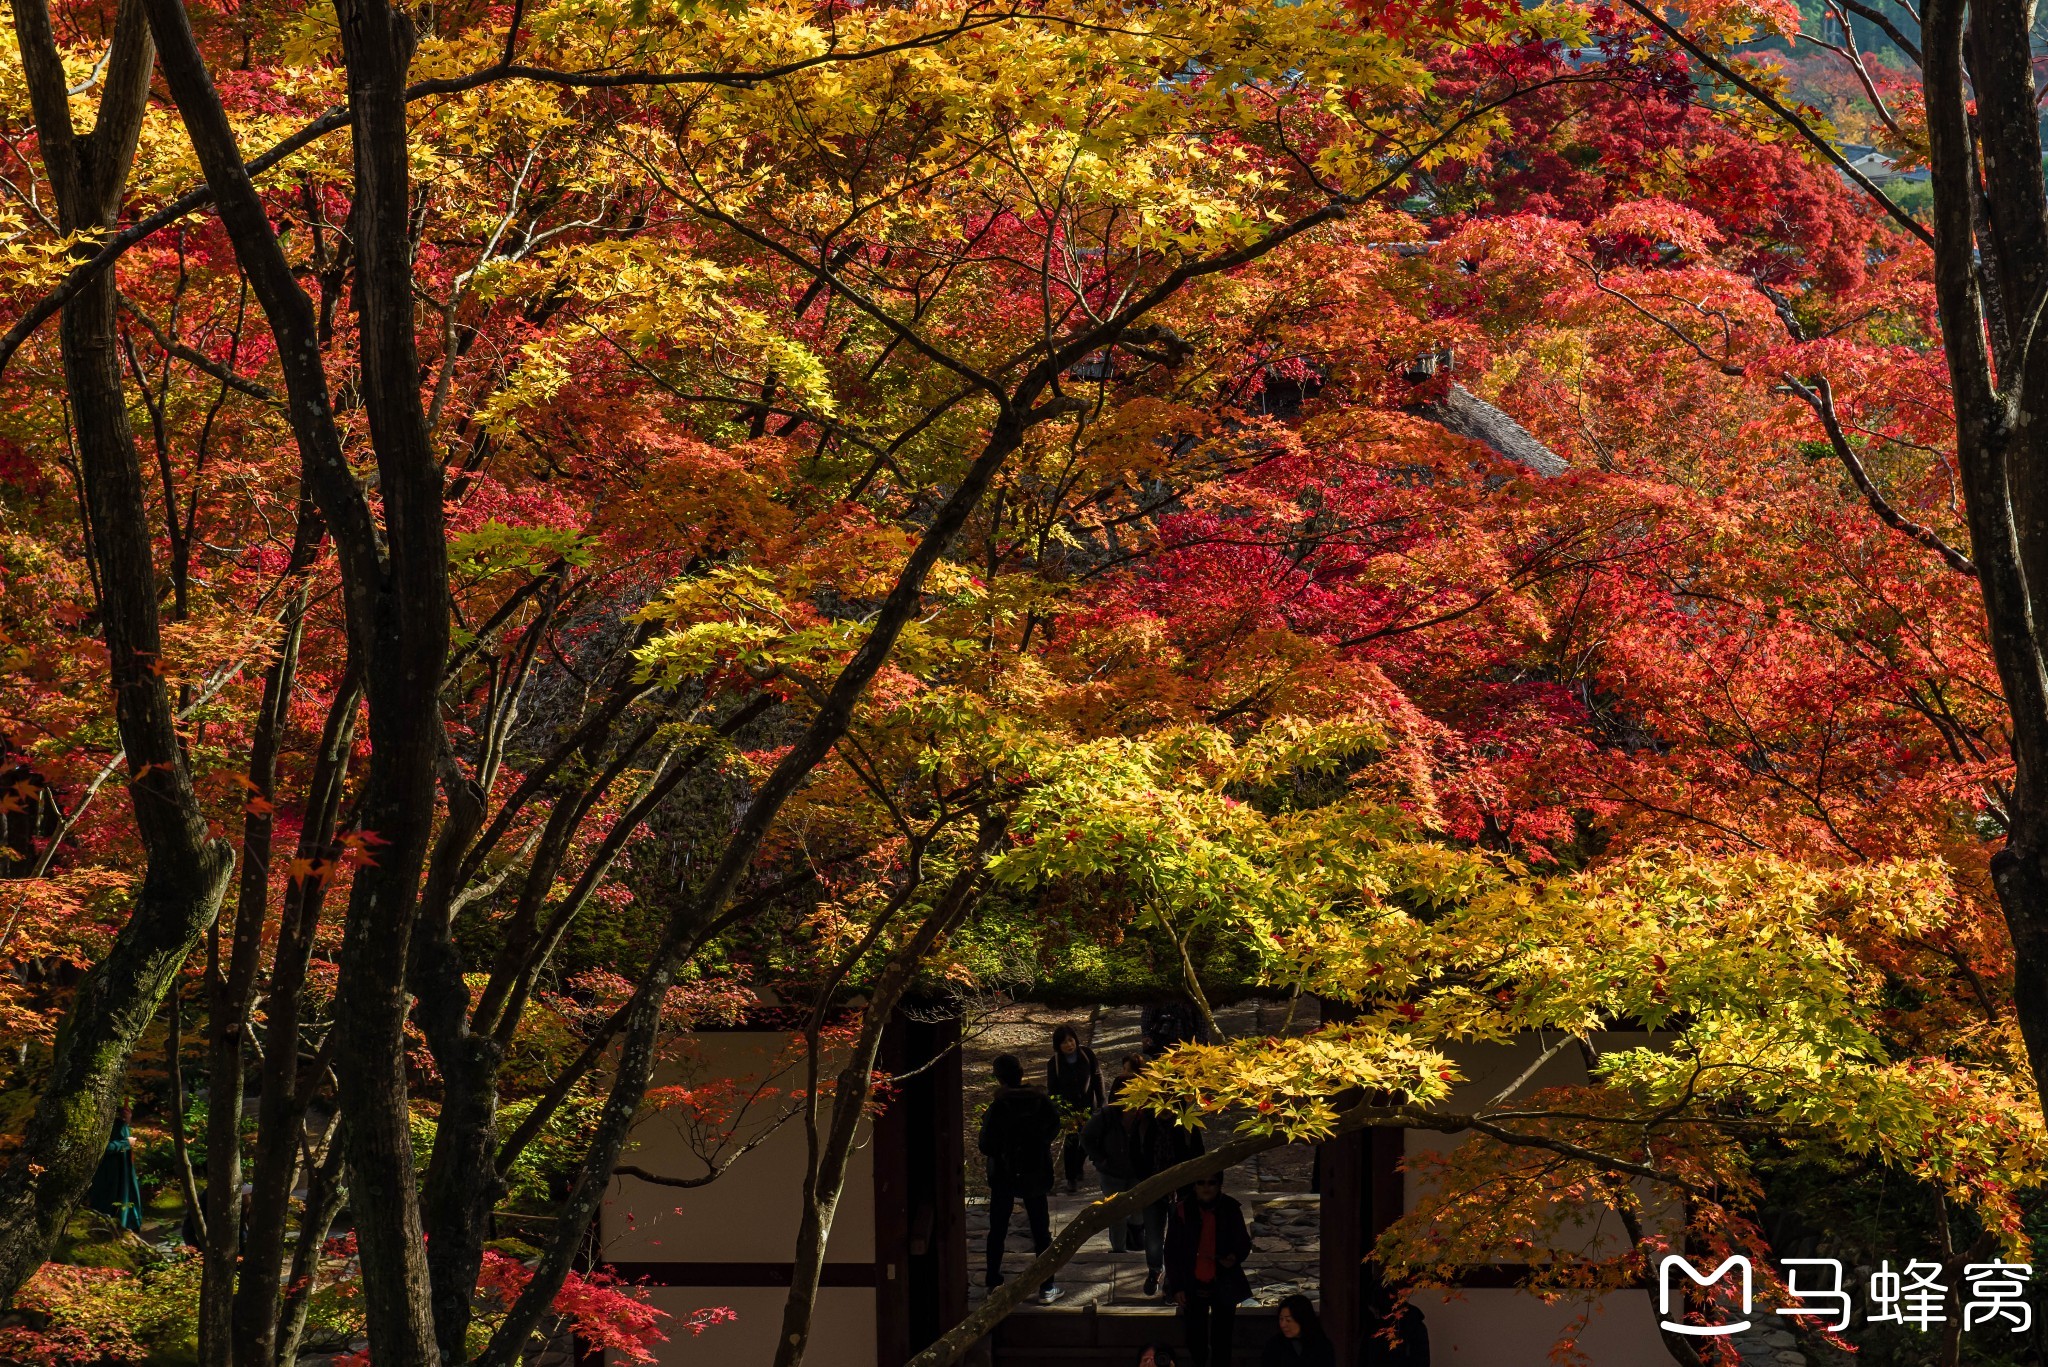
pixel 1206 1245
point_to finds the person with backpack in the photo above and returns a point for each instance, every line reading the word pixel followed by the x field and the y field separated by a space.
pixel 1119 1141
pixel 1074 1080
pixel 1017 1134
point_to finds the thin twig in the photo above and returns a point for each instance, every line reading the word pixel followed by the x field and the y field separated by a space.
pixel 1820 398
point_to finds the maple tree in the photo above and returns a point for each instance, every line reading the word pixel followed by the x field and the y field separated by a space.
pixel 1714 634
pixel 1632 655
pixel 671 264
pixel 1967 113
pixel 838 494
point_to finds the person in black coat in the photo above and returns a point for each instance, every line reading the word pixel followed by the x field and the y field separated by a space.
pixel 1411 1333
pixel 1206 1245
pixel 1168 1142
pixel 1118 1141
pixel 1074 1080
pixel 1017 1134
pixel 1127 1146
pixel 1121 1142
pixel 1165 1024
pixel 1301 1341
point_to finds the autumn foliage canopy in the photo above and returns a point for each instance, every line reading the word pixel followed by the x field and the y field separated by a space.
pixel 634 511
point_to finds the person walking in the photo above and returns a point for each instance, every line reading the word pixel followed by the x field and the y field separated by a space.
pixel 1410 1346
pixel 1301 1341
pixel 1118 1140
pixel 1206 1245
pixel 1166 1024
pixel 1161 1143
pixel 1017 1134
pixel 1074 1080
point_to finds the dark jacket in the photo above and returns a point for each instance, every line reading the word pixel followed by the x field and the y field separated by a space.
pixel 1017 1132
pixel 1076 1083
pixel 1414 1347
pixel 1169 1142
pixel 1129 1146
pixel 1282 1351
pixel 1165 1024
pixel 1233 1246
pixel 1119 1143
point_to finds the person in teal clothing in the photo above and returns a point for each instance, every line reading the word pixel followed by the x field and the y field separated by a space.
pixel 116 1191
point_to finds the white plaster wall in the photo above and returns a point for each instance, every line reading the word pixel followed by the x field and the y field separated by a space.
pixel 750 1213
pixel 1485 1070
pixel 1509 1329
pixel 842 1330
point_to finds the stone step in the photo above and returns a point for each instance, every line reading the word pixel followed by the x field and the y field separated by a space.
pixel 1109 1335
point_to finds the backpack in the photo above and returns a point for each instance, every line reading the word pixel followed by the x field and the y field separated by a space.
pixel 1017 1136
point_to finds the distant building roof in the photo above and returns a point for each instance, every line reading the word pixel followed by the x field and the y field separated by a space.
pixel 1875 166
pixel 1465 414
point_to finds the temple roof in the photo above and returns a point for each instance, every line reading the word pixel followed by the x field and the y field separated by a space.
pixel 1464 413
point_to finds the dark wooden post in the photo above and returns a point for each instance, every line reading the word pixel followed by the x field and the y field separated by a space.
pixel 1385 1202
pixel 920 1189
pixel 893 1199
pixel 1363 1193
pixel 1343 1178
pixel 1342 1167
pixel 1360 1178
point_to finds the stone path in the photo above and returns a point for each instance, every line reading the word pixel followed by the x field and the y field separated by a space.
pixel 1284 1215
pixel 1768 1347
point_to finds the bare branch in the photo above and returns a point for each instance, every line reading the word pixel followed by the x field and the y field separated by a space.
pixel 1821 400
pixel 195 358
pixel 1883 21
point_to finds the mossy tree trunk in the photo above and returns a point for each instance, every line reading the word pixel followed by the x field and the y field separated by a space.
pixel 187 871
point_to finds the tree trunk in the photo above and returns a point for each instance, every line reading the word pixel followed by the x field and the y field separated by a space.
pixel 234 990
pixel 1991 262
pixel 825 1177
pixel 324 1194
pixel 402 679
pixel 281 1106
pixel 174 1064
pixel 461 1195
pixel 396 594
pixel 462 1183
pixel 187 871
